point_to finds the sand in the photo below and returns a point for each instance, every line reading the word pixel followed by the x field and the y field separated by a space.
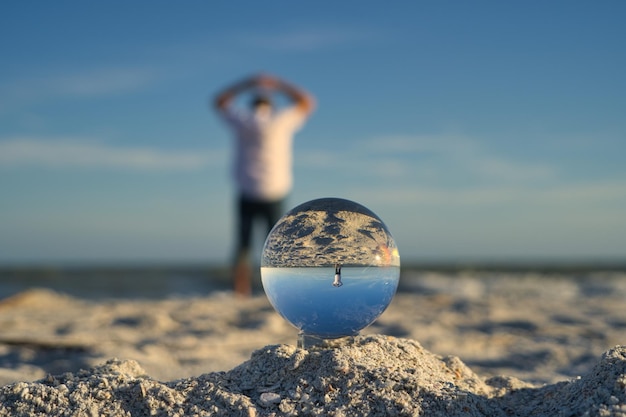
pixel 470 344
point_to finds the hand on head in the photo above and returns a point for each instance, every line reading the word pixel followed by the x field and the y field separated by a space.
pixel 266 81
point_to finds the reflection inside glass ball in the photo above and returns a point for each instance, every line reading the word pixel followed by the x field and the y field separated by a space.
pixel 337 282
pixel 330 267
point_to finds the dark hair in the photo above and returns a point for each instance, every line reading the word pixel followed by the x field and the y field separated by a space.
pixel 259 100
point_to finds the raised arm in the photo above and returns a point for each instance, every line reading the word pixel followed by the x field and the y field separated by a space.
pixel 301 98
pixel 225 97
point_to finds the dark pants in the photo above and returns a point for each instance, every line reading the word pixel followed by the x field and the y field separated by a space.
pixel 249 210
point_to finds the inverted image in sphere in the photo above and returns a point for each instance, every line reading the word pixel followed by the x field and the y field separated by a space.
pixel 330 267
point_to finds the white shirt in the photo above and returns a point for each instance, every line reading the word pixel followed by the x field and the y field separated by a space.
pixel 263 155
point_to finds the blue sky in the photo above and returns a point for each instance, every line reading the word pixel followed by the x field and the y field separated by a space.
pixel 482 130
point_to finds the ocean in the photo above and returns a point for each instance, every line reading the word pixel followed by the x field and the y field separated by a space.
pixel 188 280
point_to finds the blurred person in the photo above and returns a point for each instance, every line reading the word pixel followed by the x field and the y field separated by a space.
pixel 263 135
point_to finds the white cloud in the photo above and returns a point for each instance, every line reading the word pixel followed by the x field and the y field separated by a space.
pixel 316 159
pixel 443 143
pixel 462 154
pixel 427 159
pixel 87 83
pixel 306 39
pixel 85 154
pixel 565 197
pixel 461 181
pixel 104 81
pixel 502 169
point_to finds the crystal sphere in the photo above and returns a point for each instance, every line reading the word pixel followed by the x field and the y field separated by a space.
pixel 330 267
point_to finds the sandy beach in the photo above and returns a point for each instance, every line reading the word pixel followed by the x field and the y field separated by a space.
pixel 463 343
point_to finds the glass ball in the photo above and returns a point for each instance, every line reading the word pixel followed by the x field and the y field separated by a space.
pixel 330 267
